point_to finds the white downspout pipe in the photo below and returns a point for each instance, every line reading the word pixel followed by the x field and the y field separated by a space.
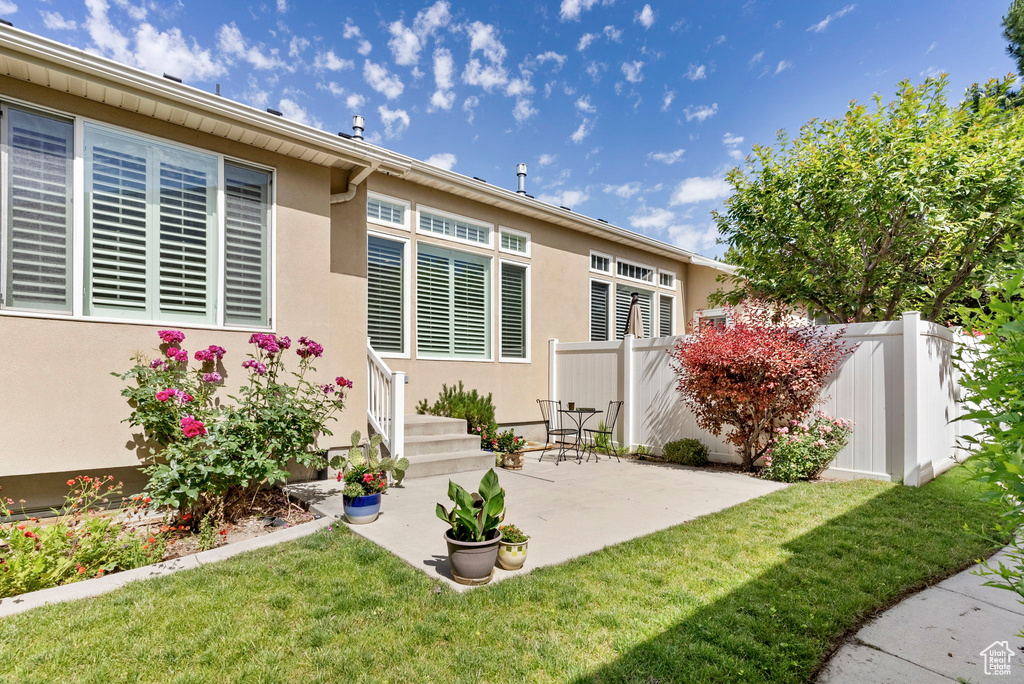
pixel 353 183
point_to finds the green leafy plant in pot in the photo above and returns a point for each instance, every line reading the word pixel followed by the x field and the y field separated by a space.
pixel 473 537
pixel 510 447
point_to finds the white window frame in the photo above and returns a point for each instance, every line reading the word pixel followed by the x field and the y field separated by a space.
pixel 710 313
pixel 420 208
pixel 493 300
pixel 609 257
pixel 528 328
pixel 672 332
pixel 672 274
pixel 611 307
pixel 649 289
pixel 517 233
pixel 652 283
pixel 392 200
pixel 406 291
pixel 79 228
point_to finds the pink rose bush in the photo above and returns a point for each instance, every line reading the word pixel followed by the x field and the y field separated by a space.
pixel 208 454
pixel 801 450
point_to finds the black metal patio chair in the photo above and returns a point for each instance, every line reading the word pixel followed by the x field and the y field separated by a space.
pixel 551 412
pixel 611 418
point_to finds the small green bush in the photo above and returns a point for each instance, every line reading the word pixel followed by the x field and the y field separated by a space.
pixel 456 402
pixel 688 452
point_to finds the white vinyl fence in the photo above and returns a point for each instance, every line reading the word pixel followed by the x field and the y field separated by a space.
pixel 899 388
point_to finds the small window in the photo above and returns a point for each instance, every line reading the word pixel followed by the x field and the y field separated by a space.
pixel 628 269
pixel 667 279
pixel 666 314
pixel 515 242
pixel 457 228
pixel 600 263
pixel 386 211
pixel 600 296
pixel 717 318
pixel 514 284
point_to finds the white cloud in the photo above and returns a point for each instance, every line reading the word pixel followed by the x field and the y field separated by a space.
pixel 430 20
pixel 700 112
pixel 292 110
pixel 565 198
pixel 652 218
pixel 632 71
pixel 524 110
pixel 518 87
pixel 487 77
pixel 613 34
pixel 719 40
pixel 329 60
pixel 644 17
pixel 52 20
pixel 469 106
pixel 691 237
pixel 697 72
pixel 571 9
pixel 483 38
pixel 355 101
pixel 395 121
pixel 331 87
pixel 552 56
pixel 282 6
pixel 585 128
pixel 352 32
pixel 234 44
pixel 666 100
pixel 384 82
pixel 297 45
pixel 823 24
pixel 405 45
pixel 668 158
pixel 699 189
pixel 932 72
pixel 584 105
pixel 756 59
pixel 783 65
pixel 443 160
pixel 931 47
pixel 625 191
pixel 7 7
pixel 441 99
pixel 595 69
pixel 585 40
pixel 730 140
pixel 546 159
pixel 444 79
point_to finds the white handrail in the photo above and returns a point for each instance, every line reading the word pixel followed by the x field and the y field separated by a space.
pixel 385 402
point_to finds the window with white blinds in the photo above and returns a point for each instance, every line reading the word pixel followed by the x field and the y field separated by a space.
pixel 454 228
pixel 600 306
pixel 515 242
pixel 380 210
pixel 666 306
pixel 514 283
pixel 385 285
pixel 156 245
pixel 452 304
pixel 623 300
pixel 38 186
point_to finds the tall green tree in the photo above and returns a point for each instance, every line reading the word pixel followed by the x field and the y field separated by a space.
pixel 905 205
pixel 1013 31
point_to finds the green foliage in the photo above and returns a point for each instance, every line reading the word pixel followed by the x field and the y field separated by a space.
pixel 83 541
pixel 602 443
pixel 512 534
pixel 368 457
pixel 456 402
pixel 904 206
pixel 508 443
pixel 1013 31
pixel 803 449
pixel 474 516
pixel 209 533
pixel 642 450
pixel 688 452
pixel 488 436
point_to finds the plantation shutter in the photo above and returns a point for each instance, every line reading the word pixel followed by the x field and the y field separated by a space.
pixel 433 303
pixel 385 311
pixel 599 295
pixel 452 303
pixel 665 315
pixel 623 298
pixel 513 311
pixel 471 318
pixel 38 185
pixel 246 245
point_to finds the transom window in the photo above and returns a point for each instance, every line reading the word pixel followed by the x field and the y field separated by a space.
pixel 164 239
pixel 453 304
pixel 600 263
pixel 667 279
pixel 449 226
pixel 514 241
pixel 386 211
pixel 627 269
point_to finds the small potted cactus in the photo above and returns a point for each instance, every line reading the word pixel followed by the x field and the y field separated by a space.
pixel 512 550
pixel 365 475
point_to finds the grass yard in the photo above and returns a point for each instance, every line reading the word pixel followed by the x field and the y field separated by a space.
pixel 757 593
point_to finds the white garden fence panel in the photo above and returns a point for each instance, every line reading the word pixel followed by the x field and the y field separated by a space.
pixel 899 387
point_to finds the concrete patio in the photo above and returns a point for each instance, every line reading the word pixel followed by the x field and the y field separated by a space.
pixel 568 510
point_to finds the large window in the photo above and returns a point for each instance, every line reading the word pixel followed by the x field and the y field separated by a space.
pixel 168 233
pixel 514 286
pixel 600 308
pixel 453 312
pixel 385 287
pixel 623 300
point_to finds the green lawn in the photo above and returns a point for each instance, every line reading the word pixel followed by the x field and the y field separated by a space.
pixel 759 592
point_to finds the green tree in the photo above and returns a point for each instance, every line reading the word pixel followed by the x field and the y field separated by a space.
pixel 906 205
pixel 1013 31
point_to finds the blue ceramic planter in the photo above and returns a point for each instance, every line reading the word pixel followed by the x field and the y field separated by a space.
pixel 360 510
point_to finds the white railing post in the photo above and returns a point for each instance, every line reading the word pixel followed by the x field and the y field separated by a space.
pixel 628 393
pixel 553 369
pixel 911 398
pixel 397 413
pixel 385 401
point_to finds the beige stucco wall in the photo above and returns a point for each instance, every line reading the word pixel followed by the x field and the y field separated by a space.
pixel 701 282
pixel 61 410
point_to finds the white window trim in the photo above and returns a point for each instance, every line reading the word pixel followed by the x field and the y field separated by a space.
pixel 78 229
pixel 529 313
pixel 649 283
pixel 406 292
pixel 611 307
pixel 672 332
pixel 711 313
pixel 519 233
pixel 392 200
pixel 672 287
pixel 609 257
pixel 420 208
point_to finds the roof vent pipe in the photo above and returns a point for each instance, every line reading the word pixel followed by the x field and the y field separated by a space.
pixel 358 125
pixel 521 172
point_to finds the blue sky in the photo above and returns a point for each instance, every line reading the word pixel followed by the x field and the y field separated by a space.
pixel 627 111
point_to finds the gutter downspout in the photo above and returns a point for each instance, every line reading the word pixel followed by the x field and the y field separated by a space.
pixel 353 183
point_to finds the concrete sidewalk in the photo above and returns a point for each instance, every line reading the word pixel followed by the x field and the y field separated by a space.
pixel 936 636
pixel 568 510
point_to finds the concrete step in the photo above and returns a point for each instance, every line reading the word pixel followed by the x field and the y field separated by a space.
pixel 448 463
pixel 418 426
pixel 438 444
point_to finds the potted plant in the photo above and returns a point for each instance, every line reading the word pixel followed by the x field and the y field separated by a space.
pixel 510 450
pixel 473 536
pixel 365 475
pixel 512 550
